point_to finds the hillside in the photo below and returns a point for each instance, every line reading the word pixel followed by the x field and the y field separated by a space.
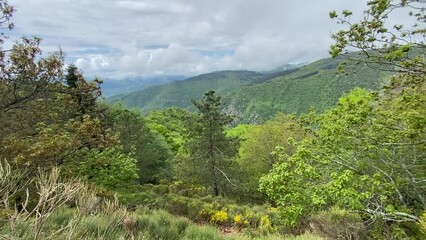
pixel 254 97
pixel 315 85
pixel 180 93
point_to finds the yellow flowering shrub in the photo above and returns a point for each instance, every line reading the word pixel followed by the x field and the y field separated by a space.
pixel 238 219
pixel 219 217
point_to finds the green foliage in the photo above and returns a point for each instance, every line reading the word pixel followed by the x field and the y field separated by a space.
pixel 255 152
pixel 180 93
pixel 253 101
pixel 397 49
pixel 71 78
pixel 316 85
pixel 171 123
pixel 148 148
pixel 368 152
pixel 338 224
pixel 31 86
pixel 422 222
pixel 198 207
pixel 208 150
pixel 108 168
pixel 361 157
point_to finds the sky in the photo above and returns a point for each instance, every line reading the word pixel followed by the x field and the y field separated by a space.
pixel 128 38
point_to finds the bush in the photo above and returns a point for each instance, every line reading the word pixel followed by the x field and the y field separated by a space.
pixel 202 233
pixel 338 224
pixel 159 224
pixel 219 218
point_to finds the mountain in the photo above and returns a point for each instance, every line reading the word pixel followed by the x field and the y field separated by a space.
pixel 111 87
pixel 296 91
pixel 255 97
pixel 180 93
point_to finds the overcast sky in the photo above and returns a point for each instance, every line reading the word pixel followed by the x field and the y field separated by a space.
pixel 121 38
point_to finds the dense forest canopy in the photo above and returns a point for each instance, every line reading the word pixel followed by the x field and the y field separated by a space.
pixel 76 167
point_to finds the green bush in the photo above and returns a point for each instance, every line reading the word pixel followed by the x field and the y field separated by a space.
pixel 202 233
pixel 338 224
pixel 205 209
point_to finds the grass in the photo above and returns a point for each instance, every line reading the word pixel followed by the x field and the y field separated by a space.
pixel 72 210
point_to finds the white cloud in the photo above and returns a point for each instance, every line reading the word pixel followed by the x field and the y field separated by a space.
pixel 154 7
pixel 135 37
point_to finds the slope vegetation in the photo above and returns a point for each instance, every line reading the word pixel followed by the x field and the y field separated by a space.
pixel 255 97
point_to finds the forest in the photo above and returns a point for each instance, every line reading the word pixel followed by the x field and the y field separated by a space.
pixel 75 166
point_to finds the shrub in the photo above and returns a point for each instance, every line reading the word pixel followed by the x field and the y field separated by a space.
pixel 219 217
pixel 238 220
pixel 266 226
pixel 338 224
pixel 202 233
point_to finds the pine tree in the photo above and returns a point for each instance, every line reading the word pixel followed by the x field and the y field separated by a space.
pixel 209 148
pixel 72 76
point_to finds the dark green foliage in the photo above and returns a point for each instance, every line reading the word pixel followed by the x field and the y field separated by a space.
pixel 72 76
pixel 84 93
pixel 148 148
pixel 208 149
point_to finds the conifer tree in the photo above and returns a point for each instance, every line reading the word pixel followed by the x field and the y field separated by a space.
pixel 210 149
pixel 71 78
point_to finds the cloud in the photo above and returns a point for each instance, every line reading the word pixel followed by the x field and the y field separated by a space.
pixel 154 7
pixel 119 38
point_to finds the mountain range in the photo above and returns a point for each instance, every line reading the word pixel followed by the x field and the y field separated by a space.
pixel 253 97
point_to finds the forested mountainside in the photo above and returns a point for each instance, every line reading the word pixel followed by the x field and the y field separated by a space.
pixel 253 97
pixel 180 93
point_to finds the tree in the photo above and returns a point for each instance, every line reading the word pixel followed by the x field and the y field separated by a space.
pixel 208 149
pixel 368 154
pixel 397 48
pixel 72 76
pixel 255 152
pixel 6 12
pixel 38 125
pixel 171 124
pixel 148 148
pixel 84 93
pixel 26 76
pixel 109 168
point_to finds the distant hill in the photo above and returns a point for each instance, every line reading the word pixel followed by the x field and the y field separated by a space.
pixel 254 97
pixel 111 87
pixel 315 85
pixel 180 93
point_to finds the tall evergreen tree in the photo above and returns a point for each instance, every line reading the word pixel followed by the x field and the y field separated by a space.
pixel 71 78
pixel 209 150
